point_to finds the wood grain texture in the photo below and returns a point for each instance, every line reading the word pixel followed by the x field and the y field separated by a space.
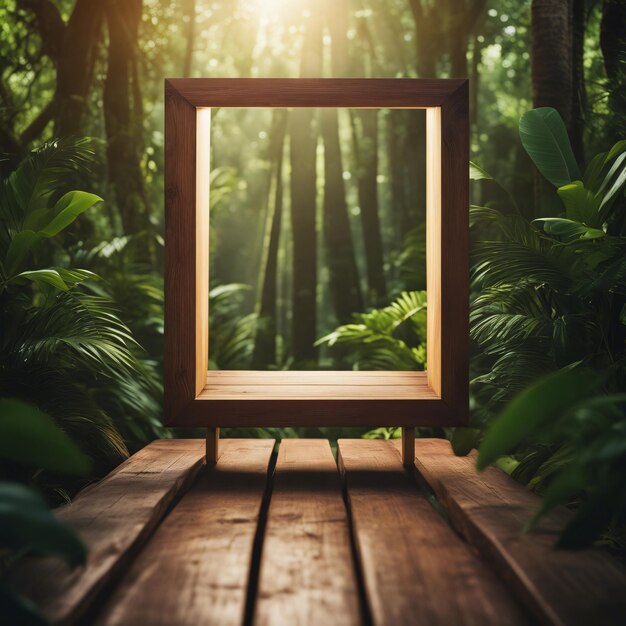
pixel 190 402
pixel 181 255
pixel 307 572
pixel 322 377
pixel 195 569
pixel 434 248
pixel 490 509
pixel 316 92
pixel 454 254
pixel 415 569
pixel 277 410
pixel 202 174
pixel 113 518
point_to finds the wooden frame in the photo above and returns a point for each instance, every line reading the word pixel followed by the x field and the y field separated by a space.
pixel 196 397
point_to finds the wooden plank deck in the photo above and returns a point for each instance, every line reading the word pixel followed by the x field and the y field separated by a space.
pixel 416 570
pixel 490 511
pixel 304 541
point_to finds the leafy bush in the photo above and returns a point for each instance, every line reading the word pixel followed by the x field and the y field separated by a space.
pixel 551 298
pixel 63 345
pixel 232 336
pixel 29 437
pixel 391 338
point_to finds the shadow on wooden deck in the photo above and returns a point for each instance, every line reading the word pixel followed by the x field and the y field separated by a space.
pixel 303 539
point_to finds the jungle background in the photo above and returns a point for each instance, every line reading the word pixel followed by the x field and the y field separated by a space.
pixel 317 219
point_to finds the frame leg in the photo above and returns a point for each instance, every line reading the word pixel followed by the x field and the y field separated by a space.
pixel 212 445
pixel 408 446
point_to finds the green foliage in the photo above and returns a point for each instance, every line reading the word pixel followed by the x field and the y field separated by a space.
pixel 30 437
pixel 232 335
pixel 391 338
pixel 544 137
pixel 411 262
pixel 549 302
pixel 27 524
pixel 63 345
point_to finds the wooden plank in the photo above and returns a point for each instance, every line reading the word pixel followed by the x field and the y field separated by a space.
pixel 196 568
pixel 307 571
pixel 322 377
pixel 453 257
pixel 113 518
pixel 311 392
pixel 184 336
pixel 202 169
pixel 273 410
pixel 378 93
pixel 415 569
pixel 490 509
pixel 433 247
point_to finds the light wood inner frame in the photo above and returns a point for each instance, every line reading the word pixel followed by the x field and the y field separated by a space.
pixel 195 396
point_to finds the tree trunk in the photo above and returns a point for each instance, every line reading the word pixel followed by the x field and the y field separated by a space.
pixel 428 41
pixel 365 143
pixel 427 35
pixel 462 23
pixel 190 13
pixel 613 45
pixel 265 341
pixel 551 61
pixel 303 153
pixel 367 173
pixel 73 48
pixel 579 92
pixel 75 66
pixel 396 129
pixel 343 274
pixel 551 74
pixel 122 115
pixel 344 284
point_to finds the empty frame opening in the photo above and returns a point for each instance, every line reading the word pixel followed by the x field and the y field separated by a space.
pixel 317 240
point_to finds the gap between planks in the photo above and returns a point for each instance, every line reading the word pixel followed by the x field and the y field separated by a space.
pixel 307 573
pixel 415 569
pixel 196 568
pixel 490 509
pixel 113 518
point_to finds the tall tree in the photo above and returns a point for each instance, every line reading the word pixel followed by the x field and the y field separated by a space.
pixel 265 340
pixel 613 45
pixel 190 36
pixel 73 47
pixel 344 284
pixel 579 90
pixel 303 152
pixel 555 74
pixel 75 66
pixel 365 142
pixel 123 115
pixel 343 273
pixel 551 56
pixel 427 20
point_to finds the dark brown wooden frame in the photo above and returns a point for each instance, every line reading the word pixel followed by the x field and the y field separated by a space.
pixel 195 396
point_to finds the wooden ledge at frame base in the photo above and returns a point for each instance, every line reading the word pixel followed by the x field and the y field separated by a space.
pixel 252 399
